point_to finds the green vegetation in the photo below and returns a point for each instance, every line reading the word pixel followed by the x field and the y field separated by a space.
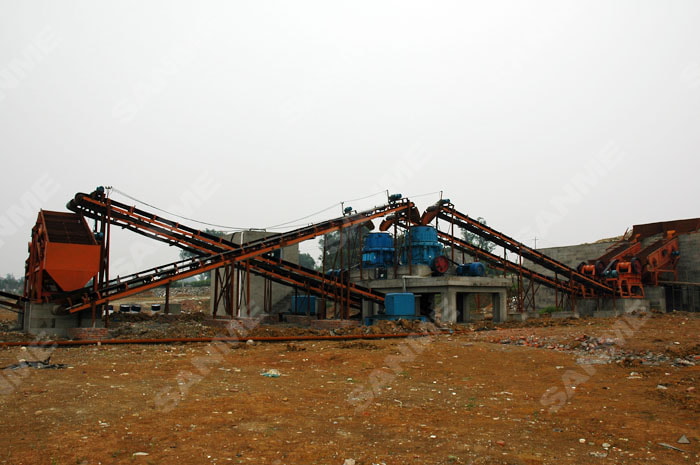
pixel 350 244
pixel 550 309
pixel 202 279
pixel 185 254
pixel 476 240
pixel 11 284
pixel 307 261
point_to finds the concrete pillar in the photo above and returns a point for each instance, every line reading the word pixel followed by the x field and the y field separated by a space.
pixel 448 310
pixel 500 309
pixel 586 307
pixel 656 295
pixel 464 297
pixel 367 308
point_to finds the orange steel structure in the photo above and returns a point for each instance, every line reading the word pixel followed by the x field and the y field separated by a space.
pixel 661 257
pixel 216 252
pixel 619 267
pixel 100 207
pixel 65 254
pixel 627 266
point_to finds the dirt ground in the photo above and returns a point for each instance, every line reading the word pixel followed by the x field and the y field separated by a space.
pixel 605 391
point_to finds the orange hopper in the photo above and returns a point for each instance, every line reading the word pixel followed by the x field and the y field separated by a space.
pixel 63 255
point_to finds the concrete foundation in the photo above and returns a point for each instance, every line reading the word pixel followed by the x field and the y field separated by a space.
pixel 610 307
pixel 656 296
pixel 39 320
pixel 565 315
pixel 605 314
pixel 370 274
pixel 517 316
pixel 445 298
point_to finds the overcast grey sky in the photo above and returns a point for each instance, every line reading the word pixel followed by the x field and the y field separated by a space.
pixel 569 121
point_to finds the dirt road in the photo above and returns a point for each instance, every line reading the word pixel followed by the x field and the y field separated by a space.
pixel 584 392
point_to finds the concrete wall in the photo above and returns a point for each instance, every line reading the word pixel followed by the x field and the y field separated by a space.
pixel 689 263
pixel 280 293
pixel 572 256
pixel 683 298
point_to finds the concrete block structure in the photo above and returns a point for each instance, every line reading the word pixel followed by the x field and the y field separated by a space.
pixel 39 320
pixel 448 298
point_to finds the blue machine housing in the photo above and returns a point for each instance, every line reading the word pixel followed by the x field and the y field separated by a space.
pixel 400 304
pixel 397 306
pixel 471 269
pixel 422 246
pixel 378 250
pixel 303 304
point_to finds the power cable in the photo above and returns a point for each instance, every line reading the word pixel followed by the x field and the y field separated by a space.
pixel 229 228
pixel 305 217
pixel 226 228
pixel 423 195
pixel 325 209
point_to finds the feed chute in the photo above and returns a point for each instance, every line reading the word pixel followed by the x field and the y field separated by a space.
pixel 63 255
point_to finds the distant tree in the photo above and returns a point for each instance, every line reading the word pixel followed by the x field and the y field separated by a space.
pixel 11 284
pixel 185 254
pixel 307 261
pixel 480 243
pixel 333 252
pixel 476 240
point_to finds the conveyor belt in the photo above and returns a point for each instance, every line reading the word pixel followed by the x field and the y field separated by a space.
pixel 499 263
pixel 204 244
pixel 449 214
pixel 94 206
pixel 12 302
pixel 193 240
pixel 504 265
pixel 618 249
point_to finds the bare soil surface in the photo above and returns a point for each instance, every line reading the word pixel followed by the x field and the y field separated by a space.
pixel 603 391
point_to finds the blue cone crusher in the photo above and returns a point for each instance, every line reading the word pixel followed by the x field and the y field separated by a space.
pixel 423 248
pixel 378 250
